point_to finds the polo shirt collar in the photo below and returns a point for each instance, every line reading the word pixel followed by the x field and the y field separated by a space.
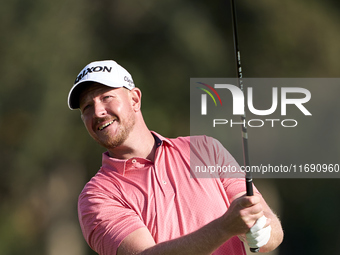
pixel 160 139
pixel 121 165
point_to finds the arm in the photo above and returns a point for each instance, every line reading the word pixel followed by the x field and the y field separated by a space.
pixel 234 191
pixel 241 215
pixel 202 241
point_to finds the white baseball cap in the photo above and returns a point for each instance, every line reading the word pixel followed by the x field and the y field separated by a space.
pixel 106 72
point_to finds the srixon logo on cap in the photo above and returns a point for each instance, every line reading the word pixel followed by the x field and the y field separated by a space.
pixel 91 70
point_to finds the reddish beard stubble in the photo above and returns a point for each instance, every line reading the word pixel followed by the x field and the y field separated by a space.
pixel 110 140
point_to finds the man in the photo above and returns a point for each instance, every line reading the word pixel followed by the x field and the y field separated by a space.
pixel 145 199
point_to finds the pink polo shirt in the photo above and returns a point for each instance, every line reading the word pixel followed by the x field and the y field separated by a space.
pixel 126 195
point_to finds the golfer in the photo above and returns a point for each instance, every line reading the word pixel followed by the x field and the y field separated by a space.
pixel 147 198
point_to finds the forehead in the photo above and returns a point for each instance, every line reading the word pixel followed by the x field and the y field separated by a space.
pixel 92 90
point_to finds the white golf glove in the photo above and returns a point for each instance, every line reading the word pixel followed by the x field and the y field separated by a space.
pixel 257 235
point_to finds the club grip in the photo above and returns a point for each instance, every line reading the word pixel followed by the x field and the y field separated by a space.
pixel 249 186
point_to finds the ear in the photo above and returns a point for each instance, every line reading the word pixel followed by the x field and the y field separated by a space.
pixel 136 98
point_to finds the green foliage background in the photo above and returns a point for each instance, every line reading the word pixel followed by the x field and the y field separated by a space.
pixel 46 155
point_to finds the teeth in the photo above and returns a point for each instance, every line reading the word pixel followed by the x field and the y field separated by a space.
pixel 105 125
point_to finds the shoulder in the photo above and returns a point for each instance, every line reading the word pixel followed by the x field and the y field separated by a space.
pixel 186 141
pixel 200 144
pixel 99 186
pixel 198 140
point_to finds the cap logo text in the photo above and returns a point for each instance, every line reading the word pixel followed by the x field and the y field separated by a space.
pixel 91 70
pixel 129 80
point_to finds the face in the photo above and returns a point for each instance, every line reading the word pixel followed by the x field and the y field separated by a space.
pixel 108 114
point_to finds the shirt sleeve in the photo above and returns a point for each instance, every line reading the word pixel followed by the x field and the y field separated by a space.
pixel 233 179
pixel 105 220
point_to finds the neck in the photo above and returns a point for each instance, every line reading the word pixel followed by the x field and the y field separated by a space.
pixel 141 145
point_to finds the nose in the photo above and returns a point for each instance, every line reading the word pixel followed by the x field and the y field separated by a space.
pixel 99 109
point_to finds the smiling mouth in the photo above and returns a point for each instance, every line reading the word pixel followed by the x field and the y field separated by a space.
pixel 105 125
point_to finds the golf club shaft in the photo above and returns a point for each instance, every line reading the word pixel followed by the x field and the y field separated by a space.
pixel 249 179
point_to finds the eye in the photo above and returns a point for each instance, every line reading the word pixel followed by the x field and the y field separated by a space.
pixel 85 107
pixel 106 98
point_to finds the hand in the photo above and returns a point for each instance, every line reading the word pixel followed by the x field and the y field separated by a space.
pixel 242 215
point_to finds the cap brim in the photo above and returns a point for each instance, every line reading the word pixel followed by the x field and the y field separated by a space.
pixel 73 97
